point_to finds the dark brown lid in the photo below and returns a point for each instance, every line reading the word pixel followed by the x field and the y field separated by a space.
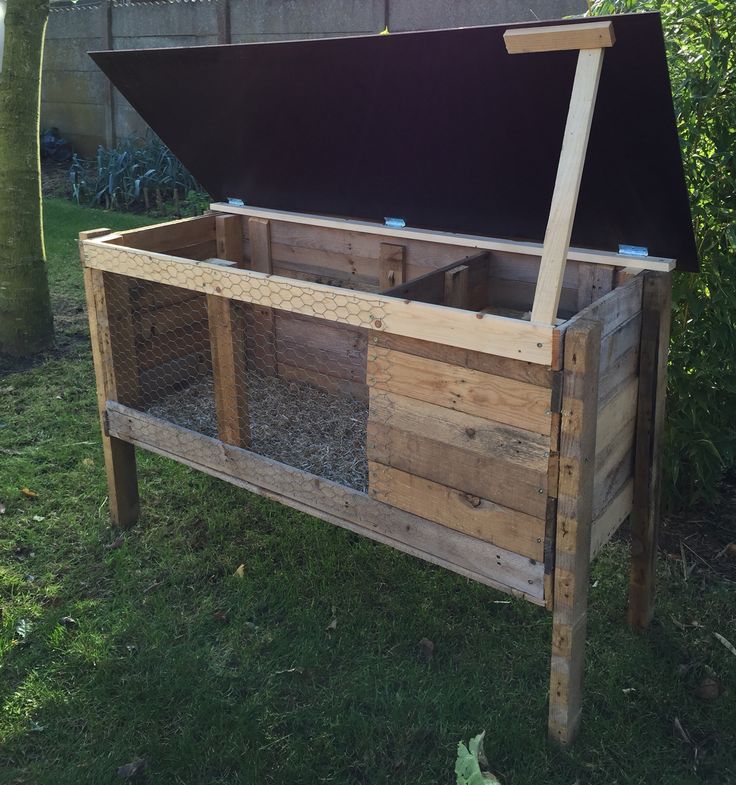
pixel 442 128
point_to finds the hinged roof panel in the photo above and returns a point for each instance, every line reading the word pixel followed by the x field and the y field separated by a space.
pixel 442 128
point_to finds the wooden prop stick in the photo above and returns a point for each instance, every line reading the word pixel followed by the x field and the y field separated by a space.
pixel 574 147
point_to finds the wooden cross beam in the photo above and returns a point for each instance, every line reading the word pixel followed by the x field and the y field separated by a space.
pixel 591 39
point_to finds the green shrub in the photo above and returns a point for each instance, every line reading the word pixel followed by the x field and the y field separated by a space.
pixel 701 432
pixel 136 174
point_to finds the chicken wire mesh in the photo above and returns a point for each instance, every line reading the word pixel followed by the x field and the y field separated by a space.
pixel 286 386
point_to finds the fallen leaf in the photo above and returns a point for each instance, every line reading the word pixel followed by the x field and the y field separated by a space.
pixel 2 509
pixel 68 621
pixel 731 550
pixel 36 728
pixel 240 572
pixel 726 643
pixel 115 544
pixel 88 462
pixel 6 389
pixel 681 732
pixel 23 628
pixel 298 669
pixel 28 493
pixel 220 616
pixel 332 625
pixel 133 769
pixel 38 518
pixel 426 649
pixel 709 689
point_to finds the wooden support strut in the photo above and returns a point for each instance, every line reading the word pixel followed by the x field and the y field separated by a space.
pixel 227 343
pixel 645 513
pixel 591 39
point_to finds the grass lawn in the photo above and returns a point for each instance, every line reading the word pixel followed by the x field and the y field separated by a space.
pixel 215 678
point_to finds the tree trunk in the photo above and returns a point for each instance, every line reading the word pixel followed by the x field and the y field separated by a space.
pixel 26 326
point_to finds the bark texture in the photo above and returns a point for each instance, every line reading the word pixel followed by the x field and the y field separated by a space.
pixel 26 325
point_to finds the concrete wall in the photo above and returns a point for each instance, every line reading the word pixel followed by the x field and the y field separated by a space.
pixel 79 100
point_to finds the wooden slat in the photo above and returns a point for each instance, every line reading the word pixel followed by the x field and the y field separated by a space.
pixel 391 266
pixel 567 186
pixel 619 359
pixel 479 361
pixel 229 235
pixel 471 471
pixel 574 517
pixel 520 296
pixel 472 515
pixel 170 235
pixel 342 506
pixel 613 309
pixel 655 333
pixel 555 38
pixel 619 409
pixel 463 389
pixel 408 234
pixel 487 333
pixel 594 280
pixel 457 287
pixel 608 522
pixel 264 327
pixel 512 448
pixel 119 456
pixel 614 467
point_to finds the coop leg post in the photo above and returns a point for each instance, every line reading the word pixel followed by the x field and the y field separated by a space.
pixel 645 513
pixel 122 481
pixel 574 516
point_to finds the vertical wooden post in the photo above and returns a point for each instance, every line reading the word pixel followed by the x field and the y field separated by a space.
pixel 264 327
pixel 122 481
pixel 229 236
pixel 227 342
pixel 645 513
pixel 391 266
pixel 574 518
pixel 457 287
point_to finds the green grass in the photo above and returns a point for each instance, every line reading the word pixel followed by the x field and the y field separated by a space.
pixel 214 678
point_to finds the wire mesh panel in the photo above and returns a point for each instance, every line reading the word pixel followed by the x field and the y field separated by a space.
pixel 286 386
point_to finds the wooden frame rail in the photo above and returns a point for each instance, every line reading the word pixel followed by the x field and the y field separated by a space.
pixel 489 333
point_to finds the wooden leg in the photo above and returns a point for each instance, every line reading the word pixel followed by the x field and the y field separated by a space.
pixel 122 480
pixel 645 513
pixel 574 517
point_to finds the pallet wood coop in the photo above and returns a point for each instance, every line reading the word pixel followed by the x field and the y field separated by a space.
pixel 493 406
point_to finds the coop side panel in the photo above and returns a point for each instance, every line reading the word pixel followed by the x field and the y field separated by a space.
pixel 463 447
pixel 347 258
pixel 617 405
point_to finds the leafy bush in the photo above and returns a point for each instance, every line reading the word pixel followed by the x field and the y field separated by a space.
pixel 701 432
pixel 135 175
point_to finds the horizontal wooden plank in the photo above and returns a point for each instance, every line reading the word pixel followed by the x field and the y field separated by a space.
pixel 467 470
pixel 618 410
pixel 615 472
pixel 512 448
pixel 495 398
pixel 608 522
pixel 168 344
pixel 171 235
pixel 519 295
pixel 487 333
pixel 476 517
pixel 447 238
pixel 555 38
pixel 479 361
pixel 321 498
pixel 614 308
pixel 159 321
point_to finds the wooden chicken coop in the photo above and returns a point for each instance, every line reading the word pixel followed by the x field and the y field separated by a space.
pixel 493 406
